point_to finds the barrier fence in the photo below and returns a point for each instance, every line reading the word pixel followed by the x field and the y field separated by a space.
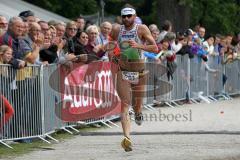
pixel 29 96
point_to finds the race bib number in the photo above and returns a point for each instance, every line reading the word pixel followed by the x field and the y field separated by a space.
pixel 132 77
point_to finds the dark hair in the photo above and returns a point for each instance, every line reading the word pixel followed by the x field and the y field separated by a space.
pixel 79 17
pixel 179 37
pixel 166 25
pixel 235 41
pixel 79 33
pixel 210 36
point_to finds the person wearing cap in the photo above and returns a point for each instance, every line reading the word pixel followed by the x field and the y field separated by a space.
pixel 138 37
pixel 28 16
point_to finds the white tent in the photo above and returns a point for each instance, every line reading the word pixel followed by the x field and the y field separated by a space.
pixel 11 8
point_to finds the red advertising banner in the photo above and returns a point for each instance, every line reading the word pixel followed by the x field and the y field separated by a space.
pixel 89 91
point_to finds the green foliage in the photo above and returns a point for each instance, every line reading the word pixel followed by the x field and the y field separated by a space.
pixel 68 8
pixel 218 16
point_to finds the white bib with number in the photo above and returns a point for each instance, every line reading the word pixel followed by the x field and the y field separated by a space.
pixel 132 77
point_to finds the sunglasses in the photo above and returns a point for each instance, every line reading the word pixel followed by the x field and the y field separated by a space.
pixel 129 16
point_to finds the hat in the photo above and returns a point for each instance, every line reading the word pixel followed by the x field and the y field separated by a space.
pixel 26 14
pixel 127 11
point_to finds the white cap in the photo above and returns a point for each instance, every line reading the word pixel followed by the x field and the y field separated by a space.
pixel 127 11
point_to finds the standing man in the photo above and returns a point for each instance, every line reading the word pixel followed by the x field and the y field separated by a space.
pixel 80 21
pixel 138 37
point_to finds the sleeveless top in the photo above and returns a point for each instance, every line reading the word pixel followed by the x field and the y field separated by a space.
pixel 125 35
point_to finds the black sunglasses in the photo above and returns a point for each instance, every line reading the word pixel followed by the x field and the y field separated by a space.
pixel 129 16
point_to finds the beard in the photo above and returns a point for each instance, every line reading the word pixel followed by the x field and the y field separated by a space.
pixel 128 23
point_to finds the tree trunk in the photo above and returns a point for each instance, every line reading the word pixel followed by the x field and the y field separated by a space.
pixel 170 10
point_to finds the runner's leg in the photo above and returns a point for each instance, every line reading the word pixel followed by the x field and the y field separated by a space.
pixel 123 89
pixel 138 93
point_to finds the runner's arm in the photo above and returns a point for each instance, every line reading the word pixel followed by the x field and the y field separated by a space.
pixel 146 35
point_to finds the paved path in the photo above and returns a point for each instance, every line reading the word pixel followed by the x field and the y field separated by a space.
pixel 202 131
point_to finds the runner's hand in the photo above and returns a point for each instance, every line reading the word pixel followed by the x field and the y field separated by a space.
pixel 133 44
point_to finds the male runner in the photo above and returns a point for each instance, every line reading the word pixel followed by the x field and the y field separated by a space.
pixel 138 36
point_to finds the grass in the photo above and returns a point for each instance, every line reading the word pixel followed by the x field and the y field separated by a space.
pixel 37 144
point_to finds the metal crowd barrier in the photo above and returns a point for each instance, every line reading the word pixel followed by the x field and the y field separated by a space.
pixel 21 88
pixel 215 83
pixel 232 71
pixel 198 80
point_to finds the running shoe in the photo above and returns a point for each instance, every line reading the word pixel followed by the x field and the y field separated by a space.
pixel 138 118
pixel 126 144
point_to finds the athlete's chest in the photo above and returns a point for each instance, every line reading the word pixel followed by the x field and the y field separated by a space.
pixel 128 34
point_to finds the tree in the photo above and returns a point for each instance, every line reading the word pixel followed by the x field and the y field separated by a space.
pixel 218 16
pixel 68 8
pixel 178 13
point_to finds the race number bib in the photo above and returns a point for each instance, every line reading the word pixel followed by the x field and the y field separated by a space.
pixel 132 77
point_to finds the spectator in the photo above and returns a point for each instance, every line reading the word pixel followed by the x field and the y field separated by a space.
pixel 25 29
pixel 93 46
pixel 209 44
pixel 44 26
pixel 189 34
pixel 60 30
pixel 52 23
pixel 3 23
pixel 71 31
pixel 81 41
pixel 155 33
pixel 47 39
pixel 7 111
pixel 229 38
pixel 12 39
pixel 88 23
pixel 5 54
pixel 60 40
pixel 138 20
pixel 153 27
pixel 53 32
pixel 178 43
pixel 80 21
pixel 166 27
pixel 104 37
pixel 216 44
pixel 118 20
pixel 200 34
pixel 28 16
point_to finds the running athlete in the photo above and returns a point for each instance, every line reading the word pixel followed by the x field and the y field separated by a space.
pixel 138 37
